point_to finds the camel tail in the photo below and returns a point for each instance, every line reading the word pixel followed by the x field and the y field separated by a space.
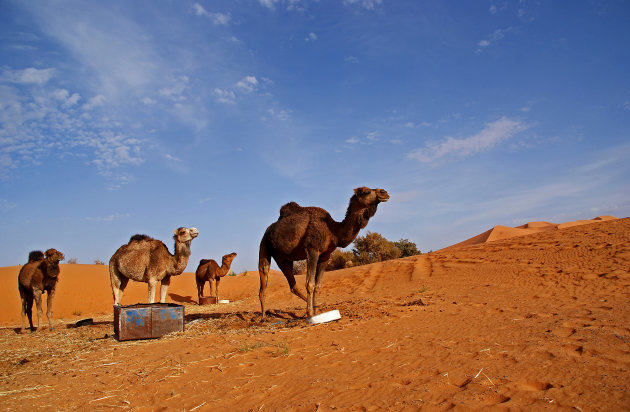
pixel 35 255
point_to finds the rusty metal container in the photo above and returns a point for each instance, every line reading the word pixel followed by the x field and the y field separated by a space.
pixel 207 300
pixel 147 320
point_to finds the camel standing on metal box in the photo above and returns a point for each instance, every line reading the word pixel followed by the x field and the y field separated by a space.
pixel 310 233
pixel 39 275
pixel 209 271
pixel 148 260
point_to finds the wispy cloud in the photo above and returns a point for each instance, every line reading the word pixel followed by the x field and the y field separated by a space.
pixel 492 134
pixel 109 218
pixel 37 122
pixel 367 4
pixel 495 36
pixel 30 75
pixel 311 37
pixel 247 84
pixel 219 19
pixel 224 96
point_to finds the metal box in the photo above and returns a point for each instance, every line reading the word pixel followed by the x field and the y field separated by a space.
pixel 147 320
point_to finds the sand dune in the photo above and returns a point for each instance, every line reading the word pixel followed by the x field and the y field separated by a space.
pixel 532 322
pixel 505 232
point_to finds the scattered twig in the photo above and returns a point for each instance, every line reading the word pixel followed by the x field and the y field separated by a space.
pixel 104 397
pixel 198 406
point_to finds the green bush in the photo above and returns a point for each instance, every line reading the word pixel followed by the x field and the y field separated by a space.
pixel 373 248
pixel 407 248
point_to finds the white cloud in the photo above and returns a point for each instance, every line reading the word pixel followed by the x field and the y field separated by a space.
pixel 495 36
pixel 219 19
pixel 248 84
pixel 6 205
pixel 95 101
pixel 148 100
pixel 311 37
pixel 269 3
pixel 491 135
pixel 176 89
pixel 351 59
pixel 279 114
pixel 72 100
pixel 352 140
pixel 109 218
pixel 367 4
pixel 225 96
pixel 30 75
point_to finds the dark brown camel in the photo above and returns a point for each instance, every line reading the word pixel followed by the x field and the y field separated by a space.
pixel 39 275
pixel 148 260
pixel 310 233
pixel 209 271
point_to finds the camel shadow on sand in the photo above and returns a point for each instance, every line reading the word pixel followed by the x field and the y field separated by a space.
pixel 181 299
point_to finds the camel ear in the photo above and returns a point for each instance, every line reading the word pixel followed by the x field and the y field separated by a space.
pixel 175 231
pixel 362 190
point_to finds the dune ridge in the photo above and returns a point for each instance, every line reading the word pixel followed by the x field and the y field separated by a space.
pixel 500 232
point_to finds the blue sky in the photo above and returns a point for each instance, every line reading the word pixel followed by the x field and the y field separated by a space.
pixel 125 117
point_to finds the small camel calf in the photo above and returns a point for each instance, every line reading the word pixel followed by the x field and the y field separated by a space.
pixel 209 271
pixel 38 275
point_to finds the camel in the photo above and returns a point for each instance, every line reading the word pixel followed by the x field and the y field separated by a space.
pixel 311 233
pixel 209 271
pixel 148 260
pixel 40 274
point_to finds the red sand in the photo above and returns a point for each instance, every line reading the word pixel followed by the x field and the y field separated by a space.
pixel 532 322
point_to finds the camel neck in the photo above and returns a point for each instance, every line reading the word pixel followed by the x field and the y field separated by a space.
pixel 182 253
pixel 357 217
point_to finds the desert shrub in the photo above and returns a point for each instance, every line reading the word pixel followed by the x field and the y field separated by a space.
pixel 99 262
pixel 72 261
pixel 340 260
pixel 407 248
pixel 373 248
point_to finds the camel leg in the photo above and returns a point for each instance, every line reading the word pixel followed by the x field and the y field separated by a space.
pixel 216 288
pixel 27 308
pixel 118 282
pixel 49 303
pixel 312 257
pixel 319 276
pixel 38 301
pixel 286 266
pixel 263 271
pixel 152 285
pixel 164 288
pixel 212 286
pixel 264 260
pixel 200 286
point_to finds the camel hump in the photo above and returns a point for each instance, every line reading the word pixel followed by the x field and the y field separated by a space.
pixel 139 238
pixel 35 255
pixel 204 261
pixel 289 209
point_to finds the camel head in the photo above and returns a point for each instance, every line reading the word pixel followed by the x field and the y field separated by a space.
pixel 227 259
pixel 183 234
pixel 54 255
pixel 367 200
pixel 368 197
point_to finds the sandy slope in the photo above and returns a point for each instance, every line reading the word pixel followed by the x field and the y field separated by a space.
pixel 500 232
pixel 538 321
